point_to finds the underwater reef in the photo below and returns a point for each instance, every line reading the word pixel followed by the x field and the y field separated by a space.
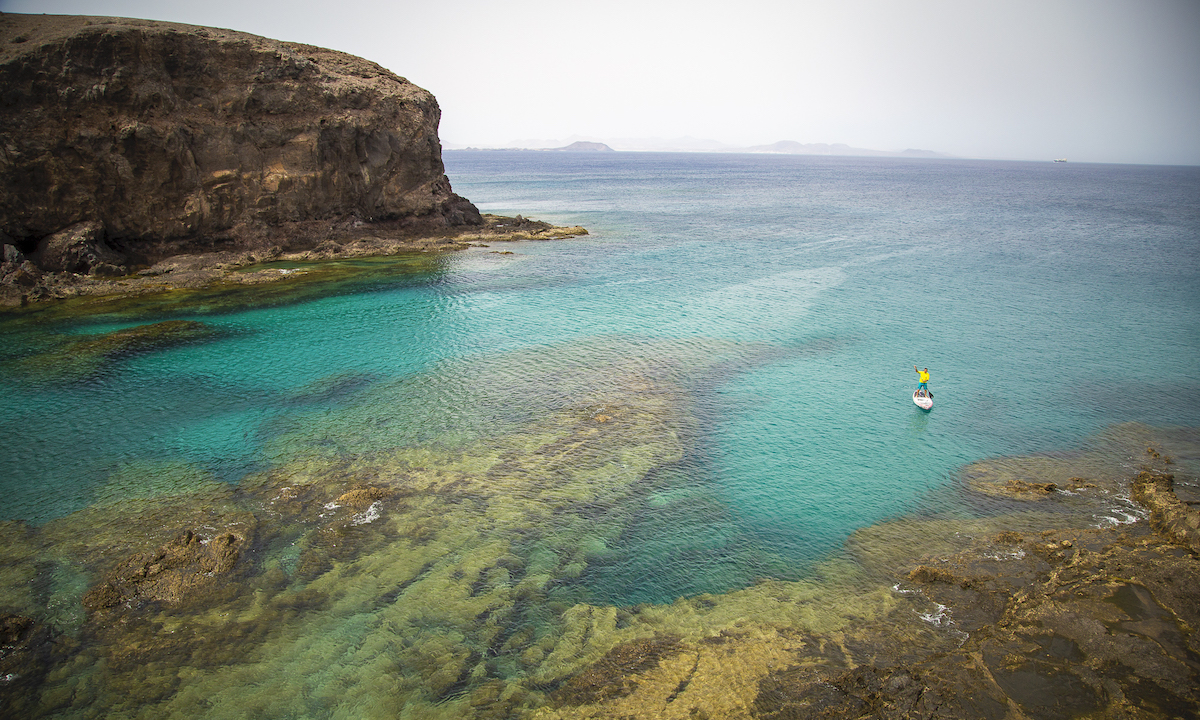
pixel 447 568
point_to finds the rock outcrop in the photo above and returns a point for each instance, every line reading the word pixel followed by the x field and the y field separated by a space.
pixel 126 141
pixel 186 567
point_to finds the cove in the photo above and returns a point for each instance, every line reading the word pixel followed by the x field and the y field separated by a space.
pixel 432 481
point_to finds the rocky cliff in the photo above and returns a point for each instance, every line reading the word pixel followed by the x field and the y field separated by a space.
pixel 124 141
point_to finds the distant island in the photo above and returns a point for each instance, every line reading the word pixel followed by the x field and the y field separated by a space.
pixel 689 144
pixel 579 146
pixel 583 146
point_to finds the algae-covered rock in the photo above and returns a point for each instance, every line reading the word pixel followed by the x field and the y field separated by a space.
pixel 874 692
pixel 1025 478
pixel 27 654
pixel 1175 519
pixel 20 552
pixel 74 358
pixel 612 675
pixel 183 569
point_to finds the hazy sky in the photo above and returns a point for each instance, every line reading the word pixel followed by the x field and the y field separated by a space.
pixel 1090 80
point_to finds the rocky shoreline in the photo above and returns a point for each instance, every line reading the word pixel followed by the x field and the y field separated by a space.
pixel 142 155
pixel 1031 616
pixel 452 573
pixel 22 281
pixel 364 573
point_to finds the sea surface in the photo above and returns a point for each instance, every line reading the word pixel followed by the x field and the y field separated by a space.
pixel 1048 300
pixel 754 320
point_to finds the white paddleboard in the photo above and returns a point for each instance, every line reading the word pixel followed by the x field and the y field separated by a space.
pixel 925 403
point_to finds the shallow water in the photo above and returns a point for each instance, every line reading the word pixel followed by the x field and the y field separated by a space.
pixel 709 391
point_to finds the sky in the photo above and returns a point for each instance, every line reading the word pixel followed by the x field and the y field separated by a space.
pixel 1090 80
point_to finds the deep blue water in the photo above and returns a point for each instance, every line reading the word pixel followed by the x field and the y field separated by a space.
pixel 1049 301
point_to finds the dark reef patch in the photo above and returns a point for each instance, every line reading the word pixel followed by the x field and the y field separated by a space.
pixel 612 675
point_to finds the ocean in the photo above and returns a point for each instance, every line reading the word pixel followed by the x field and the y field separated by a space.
pixel 708 392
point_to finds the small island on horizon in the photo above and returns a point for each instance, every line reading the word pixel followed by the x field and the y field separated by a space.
pixel 579 146
pixel 688 144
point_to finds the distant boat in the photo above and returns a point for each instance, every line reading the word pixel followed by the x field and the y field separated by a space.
pixel 1061 160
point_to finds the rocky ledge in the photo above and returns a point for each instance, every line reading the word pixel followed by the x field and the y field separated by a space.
pixel 130 142
pixel 22 281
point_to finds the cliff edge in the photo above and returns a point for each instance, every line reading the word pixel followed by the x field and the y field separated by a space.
pixel 125 141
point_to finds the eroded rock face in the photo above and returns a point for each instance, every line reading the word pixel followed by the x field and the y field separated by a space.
pixel 80 249
pixel 159 137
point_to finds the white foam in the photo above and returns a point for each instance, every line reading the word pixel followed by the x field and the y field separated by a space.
pixel 369 515
pixel 939 617
pixel 1014 555
pixel 1129 514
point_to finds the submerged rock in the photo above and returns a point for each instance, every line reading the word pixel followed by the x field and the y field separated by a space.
pixel 183 569
pixel 1025 478
pixel 73 358
pixel 613 675
pixel 1175 519
pixel 440 575
pixel 27 654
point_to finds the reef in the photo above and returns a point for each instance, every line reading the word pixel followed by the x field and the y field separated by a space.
pixel 416 550
pixel 73 358
pixel 182 569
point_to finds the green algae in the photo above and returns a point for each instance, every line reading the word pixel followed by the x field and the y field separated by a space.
pixel 72 358
pixel 150 478
pixel 447 568
pixel 436 574
pixel 257 285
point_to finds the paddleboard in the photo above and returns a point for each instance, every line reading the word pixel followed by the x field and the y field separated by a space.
pixel 925 403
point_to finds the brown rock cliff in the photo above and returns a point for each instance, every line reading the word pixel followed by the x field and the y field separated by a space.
pixel 165 138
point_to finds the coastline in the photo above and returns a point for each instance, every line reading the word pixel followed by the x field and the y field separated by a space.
pixel 416 504
pixel 23 285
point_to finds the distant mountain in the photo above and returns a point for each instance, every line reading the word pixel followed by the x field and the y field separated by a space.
pixel 692 144
pixel 539 145
pixel 582 146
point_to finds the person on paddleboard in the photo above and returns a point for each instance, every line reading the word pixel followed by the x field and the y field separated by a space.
pixel 923 379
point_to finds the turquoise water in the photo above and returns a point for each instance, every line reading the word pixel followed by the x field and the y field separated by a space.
pixel 787 299
pixel 1048 301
